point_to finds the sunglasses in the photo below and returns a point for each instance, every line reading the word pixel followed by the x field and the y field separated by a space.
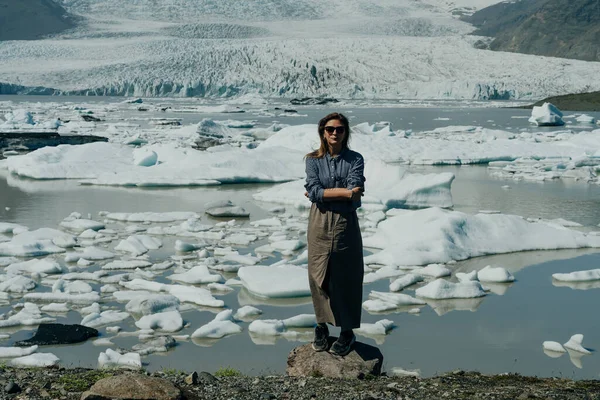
pixel 338 129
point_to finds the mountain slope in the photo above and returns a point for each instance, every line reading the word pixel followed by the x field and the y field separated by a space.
pixel 32 19
pixel 556 28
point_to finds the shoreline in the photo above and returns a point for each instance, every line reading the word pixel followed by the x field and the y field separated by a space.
pixel 70 383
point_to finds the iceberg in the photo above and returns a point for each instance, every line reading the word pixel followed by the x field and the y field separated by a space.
pixel 435 235
pixel 546 115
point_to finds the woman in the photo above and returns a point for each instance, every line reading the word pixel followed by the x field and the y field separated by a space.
pixel 334 185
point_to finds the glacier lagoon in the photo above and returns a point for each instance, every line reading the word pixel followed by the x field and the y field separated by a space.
pixel 502 332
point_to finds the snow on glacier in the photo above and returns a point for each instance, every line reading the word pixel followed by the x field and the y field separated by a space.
pixel 402 49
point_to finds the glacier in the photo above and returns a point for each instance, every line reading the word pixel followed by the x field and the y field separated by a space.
pixel 353 50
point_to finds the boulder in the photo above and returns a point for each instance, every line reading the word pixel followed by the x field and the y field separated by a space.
pixel 363 360
pixel 50 334
pixel 132 387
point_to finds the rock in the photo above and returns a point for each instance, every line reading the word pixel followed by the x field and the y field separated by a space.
pixel 11 388
pixel 50 334
pixel 192 379
pixel 207 379
pixel 90 118
pixel 363 360
pixel 132 387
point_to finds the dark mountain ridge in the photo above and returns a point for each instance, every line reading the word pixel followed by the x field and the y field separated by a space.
pixel 32 19
pixel 555 28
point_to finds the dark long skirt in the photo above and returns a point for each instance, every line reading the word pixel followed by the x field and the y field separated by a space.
pixel 335 267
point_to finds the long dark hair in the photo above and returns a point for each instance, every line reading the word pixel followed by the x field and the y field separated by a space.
pixel 323 149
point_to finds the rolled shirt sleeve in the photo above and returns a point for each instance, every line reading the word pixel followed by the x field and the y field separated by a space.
pixel 313 185
pixel 356 176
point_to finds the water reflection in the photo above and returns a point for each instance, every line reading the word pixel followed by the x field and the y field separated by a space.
pixel 442 307
pixel 577 285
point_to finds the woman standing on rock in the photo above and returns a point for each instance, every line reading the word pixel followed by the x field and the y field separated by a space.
pixel 334 185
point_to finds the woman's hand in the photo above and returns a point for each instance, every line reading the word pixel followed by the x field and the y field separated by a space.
pixel 356 193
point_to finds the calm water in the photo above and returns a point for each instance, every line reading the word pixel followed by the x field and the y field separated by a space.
pixel 502 332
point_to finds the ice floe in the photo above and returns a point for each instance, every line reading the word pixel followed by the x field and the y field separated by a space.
pixel 494 274
pixel 575 343
pixel 275 281
pixel 578 276
pixel 222 325
pixel 167 321
pixel 435 235
pixel 442 289
pixel 546 115
pixel 35 360
pixel 113 359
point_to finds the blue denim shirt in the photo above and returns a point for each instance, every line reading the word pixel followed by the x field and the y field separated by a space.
pixel 346 170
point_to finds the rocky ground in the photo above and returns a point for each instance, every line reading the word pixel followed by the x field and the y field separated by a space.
pixel 33 384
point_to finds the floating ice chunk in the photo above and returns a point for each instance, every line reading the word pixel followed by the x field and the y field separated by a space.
pixel 245 259
pixel 112 359
pixel 142 284
pixel 127 264
pixel 287 245
pixel 379 328
pixel 85 276
pixel 168 321
pixel 586 119
pixel 153 217
pixel 229 212
pixel 564 222
pixel 494 274
pixel 240 239
pixel 405 281
pixel 285 328
pixel 434 271
pixel 575 344
pixel 103 342
pixel 82 298
pixel 158 345
pixel 17 284
pixel 554 347
pixel 438 236
pixel 275 281
pixel 94 308
pixel 29 315
pixel 37 243
pixel 397 371
pixel 61 286
pixel 56 308
pixel 195 295
pixel 34 266
pixel 35 360
pixel 104 318
pixel 138 244
pixel 185 247
pixel 273 222
pixel 247 312
pixel 144 157
pixel 442 289
pixel 152 304
pixel 578 276
pixel 89 253
pixel 80 225
pixel 546 115
pixel 15 229
pixel 10 352
pixel 219 287
pixel 19 116
pixel 6 261
pixel 219 327
pixel 466 277
pixel 197 275
pixel 397 299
